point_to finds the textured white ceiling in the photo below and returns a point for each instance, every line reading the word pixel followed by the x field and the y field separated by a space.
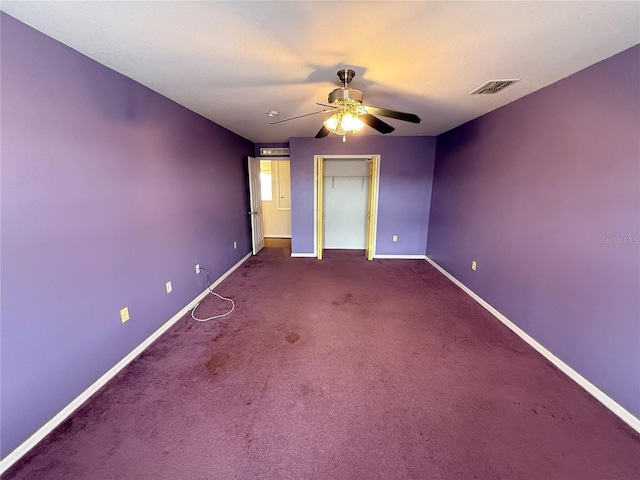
pixel 234 61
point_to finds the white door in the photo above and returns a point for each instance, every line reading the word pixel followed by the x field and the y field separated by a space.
pixel 284 186
pixel 255 200
pixel 319 207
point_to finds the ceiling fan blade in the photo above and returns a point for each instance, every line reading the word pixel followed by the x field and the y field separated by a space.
pixel 376 123
pixel 407 117
pixel 324 131
pixel 300 116
pixel 332 107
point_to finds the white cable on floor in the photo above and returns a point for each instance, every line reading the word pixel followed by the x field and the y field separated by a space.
pixel 233 305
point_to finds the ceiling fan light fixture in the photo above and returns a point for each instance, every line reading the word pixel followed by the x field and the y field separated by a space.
pixel 332 122
pixel 343 122
pixel 351 122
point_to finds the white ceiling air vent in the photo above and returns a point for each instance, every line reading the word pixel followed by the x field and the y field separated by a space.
pixel 493 86
pixel 275 151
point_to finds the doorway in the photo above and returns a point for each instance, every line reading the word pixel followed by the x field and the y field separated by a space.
pixel 346 206
pixel 275 179
pixel 270 196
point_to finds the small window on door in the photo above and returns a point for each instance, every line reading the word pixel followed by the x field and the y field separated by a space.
pixel 266 180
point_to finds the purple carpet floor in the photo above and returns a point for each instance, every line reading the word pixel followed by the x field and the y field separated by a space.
pixel 338 369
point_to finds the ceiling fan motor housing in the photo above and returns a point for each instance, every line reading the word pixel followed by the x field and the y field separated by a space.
pixel 345 95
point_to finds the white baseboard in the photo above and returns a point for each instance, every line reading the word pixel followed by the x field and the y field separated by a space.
pixel 277 236
pixel 409 257
pixel 599 395
pixel 61 416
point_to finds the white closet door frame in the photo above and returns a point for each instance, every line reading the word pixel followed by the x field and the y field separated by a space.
pixel 376 183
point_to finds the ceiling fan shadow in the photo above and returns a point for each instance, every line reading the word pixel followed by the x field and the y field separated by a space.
pixel 327 74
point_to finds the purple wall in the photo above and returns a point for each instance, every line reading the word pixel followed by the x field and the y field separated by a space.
pixel 108 191
pixel 544 194
pixel 406 171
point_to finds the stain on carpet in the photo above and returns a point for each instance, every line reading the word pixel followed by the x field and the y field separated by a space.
pixel 307 390
pixel 217 337
pixel 310 394
pixel 292 337
pixel 217 363
pixel 347 298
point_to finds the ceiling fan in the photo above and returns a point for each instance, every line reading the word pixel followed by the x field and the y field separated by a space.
pixel 349 115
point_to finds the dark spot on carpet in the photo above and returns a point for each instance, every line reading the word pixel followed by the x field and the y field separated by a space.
pixel 247 437
pixel 292 337
pixel 629 432
pixel 217 363
pixel 347 298
pixel 65 427
pixel 310 392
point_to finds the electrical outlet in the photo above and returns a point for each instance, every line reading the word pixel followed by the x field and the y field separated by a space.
pixel 197 269
pixel 395 238
pixel 169 287
pixel 235 245
pixel 124 314
pixel 473 265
